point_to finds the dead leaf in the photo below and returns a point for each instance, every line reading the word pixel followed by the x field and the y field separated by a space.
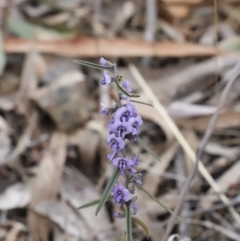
pixel 78 190
pixel 16 196
pixel 46 185
pixel 64 100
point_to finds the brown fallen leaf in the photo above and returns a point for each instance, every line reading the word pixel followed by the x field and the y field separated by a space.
pixel 46 185
pixel 91 47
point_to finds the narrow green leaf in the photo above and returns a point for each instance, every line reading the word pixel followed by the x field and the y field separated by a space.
pixel 89 64
pixel 147 148
pixel 125 92
pixel 93 203
pixel 156 200
pixel 120 238
pixel 28 30
pixel 108 189
pixel 142 224
pixel 143 103
pixel 129 223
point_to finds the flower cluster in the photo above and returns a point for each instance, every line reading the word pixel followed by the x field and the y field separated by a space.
pixel 125 124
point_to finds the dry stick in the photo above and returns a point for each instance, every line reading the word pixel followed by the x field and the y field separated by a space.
pixel 92 47
pixel 206 137
pixel 185 144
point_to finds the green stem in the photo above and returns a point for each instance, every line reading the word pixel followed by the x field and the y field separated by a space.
pixel 129 224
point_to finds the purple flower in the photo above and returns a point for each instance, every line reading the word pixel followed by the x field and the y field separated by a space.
pixel 123 113
pixel 105 110
pixel 121 128
pixel 136 122
pixel 124 164
pixel 103 62
pixel 115 143
pixel 134 207
pixel 126 86
pixel 106 78
pixel 120 194
pixel 136 160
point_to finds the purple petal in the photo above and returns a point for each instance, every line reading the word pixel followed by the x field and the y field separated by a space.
pixel 106 78
pixel 103 62
pixel 126 195
pixel 126 86
pixel 136 160
pixel 134 207
pixel 123 113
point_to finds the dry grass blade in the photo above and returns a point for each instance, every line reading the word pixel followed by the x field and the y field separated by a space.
pixel 91 47
pixel 182 141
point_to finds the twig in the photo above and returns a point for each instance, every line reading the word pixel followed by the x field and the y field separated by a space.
pixel 186 146
pixel 91 47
